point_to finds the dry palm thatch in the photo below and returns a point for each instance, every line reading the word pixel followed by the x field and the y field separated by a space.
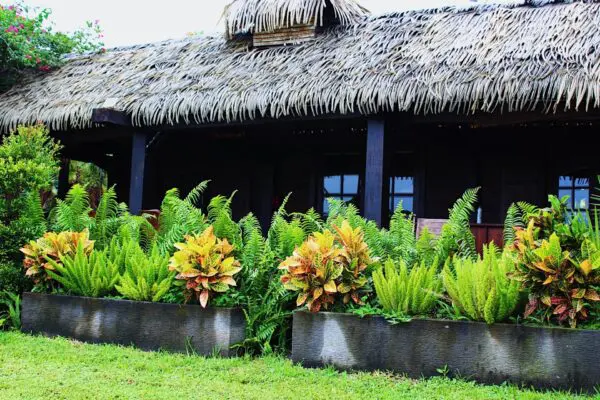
pixel 249 16
pixel 483 59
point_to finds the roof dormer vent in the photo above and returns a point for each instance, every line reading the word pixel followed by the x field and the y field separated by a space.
pixel 281 22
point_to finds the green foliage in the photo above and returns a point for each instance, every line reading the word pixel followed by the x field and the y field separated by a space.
pixel 28 42
pixel 145 277
pixel 180 217
pixel 517 216
pixel 92 275
pixel 407 293
pixel 558 262
pixel 28 165
pixel 10 310
pixel 481 290
pixel 456 237
pixel 220 217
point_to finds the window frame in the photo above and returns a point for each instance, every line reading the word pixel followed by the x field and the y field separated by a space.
pixel 572 189
pixel 392 194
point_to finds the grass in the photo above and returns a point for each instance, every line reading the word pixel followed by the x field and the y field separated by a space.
pixel 34 367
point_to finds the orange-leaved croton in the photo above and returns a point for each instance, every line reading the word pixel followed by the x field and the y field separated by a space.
pixel 52 246
pixel 206 264
pixel 327 264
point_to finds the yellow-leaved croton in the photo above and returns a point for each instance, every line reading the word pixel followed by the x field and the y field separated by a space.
pixel 206 265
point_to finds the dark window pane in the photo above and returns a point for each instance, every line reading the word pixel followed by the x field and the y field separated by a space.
pixel 403 184
pixel 333 184
pixel 350 184
pixel 582 199
pixel 582 182
pixel 565 181
pixel 325 207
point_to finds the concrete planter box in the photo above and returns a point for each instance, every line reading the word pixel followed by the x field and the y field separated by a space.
pixel 149 326
pixel 542 357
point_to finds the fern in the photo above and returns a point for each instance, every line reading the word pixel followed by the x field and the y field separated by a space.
pixel 106 221
pixel 481 290
pixel 401 292
pixel 456 237
pixel 220 217
pixel 91 275
pixel 145 277
pixel 179 218
pixel 72 213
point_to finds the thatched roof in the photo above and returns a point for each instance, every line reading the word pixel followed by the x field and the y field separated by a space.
pixel 249 16
pixel 423 62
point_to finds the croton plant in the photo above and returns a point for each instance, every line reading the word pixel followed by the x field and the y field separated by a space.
pixel 205 265
pixel 328 265
pixel 558 262
pixel 52 246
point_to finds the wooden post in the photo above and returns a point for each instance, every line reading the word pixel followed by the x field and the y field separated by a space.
pixel 374 171
pixel 136 183
pixel 63 178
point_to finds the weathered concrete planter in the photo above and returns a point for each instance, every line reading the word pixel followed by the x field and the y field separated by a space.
pixel 542 357
pixel 149 326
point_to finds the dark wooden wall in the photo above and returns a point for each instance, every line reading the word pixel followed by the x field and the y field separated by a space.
pixel 266 162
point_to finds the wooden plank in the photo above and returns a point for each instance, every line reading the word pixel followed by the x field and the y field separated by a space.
pixel 110 116
pixel 291 35
pixel 374 170
pixel 138 161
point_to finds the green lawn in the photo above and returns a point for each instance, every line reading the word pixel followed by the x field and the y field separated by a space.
pixel 39 368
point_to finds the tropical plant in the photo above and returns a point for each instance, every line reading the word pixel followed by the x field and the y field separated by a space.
pixel 52 246
pixel 558 262
pixel 28 165
pixel 85 274
pixel 144 277
pixel 327 265
pixel 180 217
pixel 405 293
pixel 205 265
pixel 481 290
pixel 456 237
pixel 11 317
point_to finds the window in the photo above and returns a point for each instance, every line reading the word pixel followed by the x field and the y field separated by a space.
pixel 342 187
pixel 578 190
pixel 402 189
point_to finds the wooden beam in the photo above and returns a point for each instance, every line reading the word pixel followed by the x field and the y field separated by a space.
pixel 138 162
pixel 374 170
pixel 110 116
pixel 63 178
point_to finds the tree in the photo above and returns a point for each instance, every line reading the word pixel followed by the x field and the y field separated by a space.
pixel 28 42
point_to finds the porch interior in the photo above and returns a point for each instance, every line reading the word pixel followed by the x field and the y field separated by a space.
pixel 427 163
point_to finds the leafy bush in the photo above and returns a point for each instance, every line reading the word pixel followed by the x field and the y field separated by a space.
pixel 52 247
pixel 558 262
pixel 84 273
pixel 326 265
pixel 205 265
pixel 28 165
pixel 405 293
pixel 146 277
pixel 11 318
pixel 28 42
pixel 481 290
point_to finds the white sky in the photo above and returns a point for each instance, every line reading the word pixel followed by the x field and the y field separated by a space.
pixel 138 21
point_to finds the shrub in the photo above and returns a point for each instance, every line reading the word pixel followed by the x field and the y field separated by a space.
pixel 558 262
pixel 145 277
pixel 28 165
pixel 11 318
pixel 326 265
pixel 404 293
pixel 481 290
pixel 52 246
pixel 84 273
pixel 205 265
